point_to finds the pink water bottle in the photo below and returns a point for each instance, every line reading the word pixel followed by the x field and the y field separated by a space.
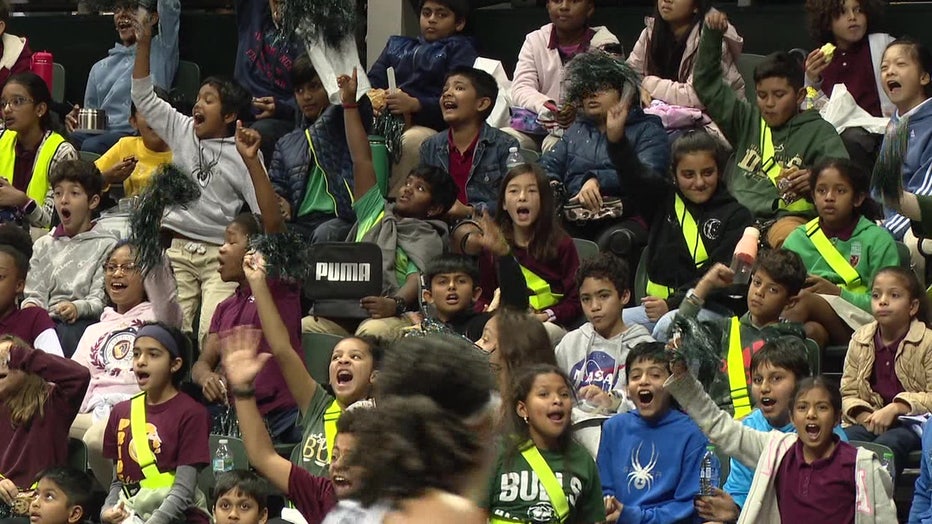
pixel 745 255
pixel 42 65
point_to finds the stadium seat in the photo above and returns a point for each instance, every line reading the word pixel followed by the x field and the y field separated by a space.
pixel 205 479
pixel 317 350
pixel 746 64
pixel 58 82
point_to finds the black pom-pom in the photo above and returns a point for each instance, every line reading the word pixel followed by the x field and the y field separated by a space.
pixel 887 177
pixel 286 255
pixel 328 20
pixel 391 127
pixel 169 186
pixel 595 70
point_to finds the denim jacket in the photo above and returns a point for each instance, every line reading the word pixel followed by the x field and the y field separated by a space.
pixel 488 163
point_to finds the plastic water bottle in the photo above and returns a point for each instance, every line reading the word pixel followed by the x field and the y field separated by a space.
pixel 223 459
pixel 710 472
pixel 745 255
pixel 887 463
pixel 514 158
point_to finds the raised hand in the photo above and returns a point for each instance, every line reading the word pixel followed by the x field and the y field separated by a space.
pixel 347 84
pixel 242 361
pixel 247 141
pixel 615 121
pixel 716 20
pixel 254 266
pixel 491 239
pixel 816 62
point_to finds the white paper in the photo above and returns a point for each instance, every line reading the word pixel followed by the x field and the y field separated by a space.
pixel 330 62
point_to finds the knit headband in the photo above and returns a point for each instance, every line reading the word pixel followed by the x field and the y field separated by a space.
pixel 161 335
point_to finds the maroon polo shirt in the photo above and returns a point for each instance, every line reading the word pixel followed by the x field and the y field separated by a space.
pixel 22 166
pixel 843 234
pixel 461 165
pixel 823 491
pixel 855 69
pixel 26 324
pixel 883 378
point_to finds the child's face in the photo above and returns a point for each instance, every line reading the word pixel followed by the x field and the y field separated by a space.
pixel 351 370
pixel 153 364
pixel 850 26
pixel 597 104
pixel 123 280
pixel 232 252
pixel 602 305
pixel 73 206
pixel 772 389
pixel 312 99
pixel 676 12
pixel 345 478
pixel 547 408
pixel 697 176
pixel 123 18
pixel 150 138
pixel 645 388
pixel 416 199
pixel 570 15
pixel 459 101
pixel 276 9
pixel 11 282
pixel 452 293
pixel 209 120
pixel 236 507
pixel 777 100
pixel 766 298
pixel 522 200
pixel 835 199
pixel 20 112
pixel 438 21
pixel 51 506
pixel 815 418
pixel 489 340
pixel 904 80
pixel 891 304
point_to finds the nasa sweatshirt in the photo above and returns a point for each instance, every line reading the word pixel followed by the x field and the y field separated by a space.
pixel 652 467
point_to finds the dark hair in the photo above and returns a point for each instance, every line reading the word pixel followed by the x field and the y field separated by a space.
pixel 547 232
pixel 785 352
pixel 74 483
pixel 250 223
pixel 184 348
pixel 651 351
pixel 80 172
pixel 484 84
pixel 784 267
pixel 234 99
pixel 522 342
pixel 4 11
pixel 614 48
pixel 522 384
pixel 452 263
pixel 780 65
pixel 160 93
pixel 16 242
pixel 819 381
pixel 39 92
pixel 454 373
pixel 920 54
pixel 696 141
pixel 125 242
pixel 606 266
pixel 460 8
pixel 375 347
pixel 302 71
pixel 664 50
pixel 821 13
pixel 248 482
pixel 427 447
pixel 443 189
pixel 857 177
pixel 913 287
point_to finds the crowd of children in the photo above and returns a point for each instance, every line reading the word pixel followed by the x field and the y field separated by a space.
pixel 501 373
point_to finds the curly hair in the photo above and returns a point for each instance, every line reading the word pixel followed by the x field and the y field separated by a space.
pixel 412 445
pixel 821 14
pixel 605 266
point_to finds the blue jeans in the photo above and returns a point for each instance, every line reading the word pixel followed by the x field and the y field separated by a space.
pixel 637 315
pixel 901 439
pixel 320 227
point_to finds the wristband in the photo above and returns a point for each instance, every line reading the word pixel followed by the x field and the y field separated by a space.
pixel 244 393
pixel 400 306
pixel 30 207
pixel 694 299
pixel 551 316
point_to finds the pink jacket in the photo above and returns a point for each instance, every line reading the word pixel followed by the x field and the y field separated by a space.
pixel 538 75
pixel 682 93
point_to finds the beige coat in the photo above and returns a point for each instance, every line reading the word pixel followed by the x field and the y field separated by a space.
pixel 913 367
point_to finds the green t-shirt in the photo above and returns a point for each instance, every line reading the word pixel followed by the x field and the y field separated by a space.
pixel 311 453
pixel 370 209
pixel 515 493
pixel 316 197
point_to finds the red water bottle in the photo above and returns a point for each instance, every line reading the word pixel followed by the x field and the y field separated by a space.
pixel 42 65
pixel 745 255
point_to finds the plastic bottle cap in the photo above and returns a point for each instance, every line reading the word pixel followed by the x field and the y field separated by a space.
pixel 710 447
pixel 224 441
pixel 512 149
pixel 751 232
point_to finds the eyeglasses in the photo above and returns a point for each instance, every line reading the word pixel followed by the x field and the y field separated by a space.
pixel 16 102
pixel 111 269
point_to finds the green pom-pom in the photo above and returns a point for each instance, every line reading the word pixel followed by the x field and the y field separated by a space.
pixel 327 20
pixel 696 345
pixel 169 186
pixel 595 70
pixel 887 177
pixel 286 255
pixel 391 127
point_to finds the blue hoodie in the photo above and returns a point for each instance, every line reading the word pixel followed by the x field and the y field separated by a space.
pixel 917 177
pixel 108 83
pixel 263 62
pixel 652 467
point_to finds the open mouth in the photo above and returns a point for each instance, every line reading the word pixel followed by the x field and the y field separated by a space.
pixel 339 481
pixel 557 417
pixel 452 298
pixel 767 402
pixel 142 378
pixel 523 213
pixel 124 24
pixel 449 105
pixel 3 375
pixel 344 376
pixel 813 431
pixel 65 213
pixel 8 122
pixel 198 118
pixel 117 286
pixel 645 396
pixel 893 84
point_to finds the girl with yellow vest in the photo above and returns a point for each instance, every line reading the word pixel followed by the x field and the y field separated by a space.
pixel 29 150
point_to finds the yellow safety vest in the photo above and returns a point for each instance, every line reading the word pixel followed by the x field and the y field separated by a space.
pixel 331 416
pixel 737 378
pixel 693 243
pixel 834 259
pixel 542 296
pixel 39 182
pixel 154 479
pixel 551 485
pixel 773 169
